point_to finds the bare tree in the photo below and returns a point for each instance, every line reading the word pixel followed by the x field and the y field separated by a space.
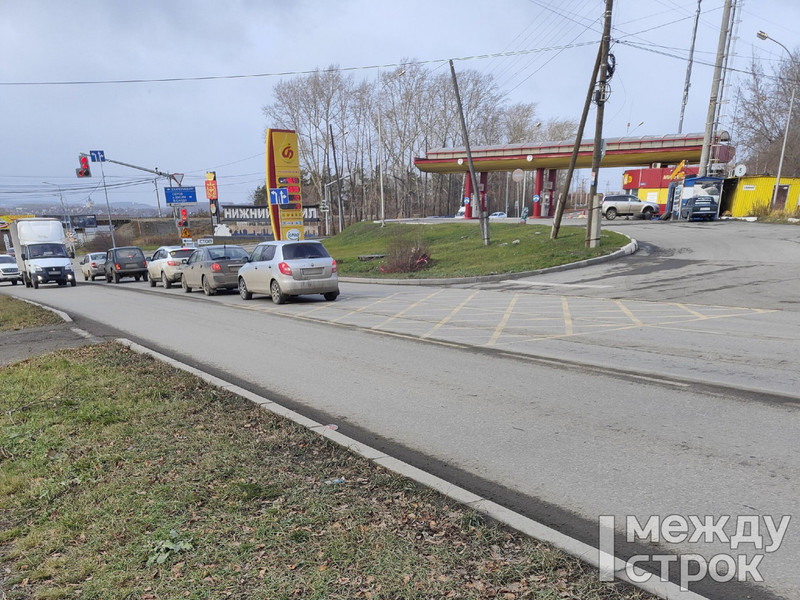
pixel 762 110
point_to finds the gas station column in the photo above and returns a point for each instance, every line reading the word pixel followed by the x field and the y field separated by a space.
pixel 468 196
pixel 537 193
pixel 550 194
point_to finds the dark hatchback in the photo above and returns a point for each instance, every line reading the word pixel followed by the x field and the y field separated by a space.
pixel 125 261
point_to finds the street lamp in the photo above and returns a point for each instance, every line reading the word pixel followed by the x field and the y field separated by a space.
pixel 327 200
pixel 763 36
pixel 399 73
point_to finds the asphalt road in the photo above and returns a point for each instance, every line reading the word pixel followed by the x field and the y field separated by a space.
pixel 539 393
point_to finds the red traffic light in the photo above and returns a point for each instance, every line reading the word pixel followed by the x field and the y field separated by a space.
pixel 83 170
pixel 184 214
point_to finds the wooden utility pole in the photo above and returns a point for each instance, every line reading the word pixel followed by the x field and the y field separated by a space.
pixel 602 90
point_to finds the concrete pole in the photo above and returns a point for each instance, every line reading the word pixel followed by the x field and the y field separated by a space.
pixel 476 195
pixel 592 240
pixel 705 156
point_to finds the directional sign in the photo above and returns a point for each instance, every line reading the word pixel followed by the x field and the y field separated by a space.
pixel 278 196
pixel 180 195
pixel 97 155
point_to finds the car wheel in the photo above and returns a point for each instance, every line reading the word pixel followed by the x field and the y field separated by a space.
pixel 152 282
pixel 144 276
pixel 108 278
pixel 331 296
pixel 73 283
pixel 137 277
pixel 85 277
pixel 116 277
pixel 276 293
pixel 35 284
pixel 13 282
pixel 611 213
pixel 243 291
pixel 93 277
pixel 184 285
pixel 165 280
pixel 647 213
pixel 207 289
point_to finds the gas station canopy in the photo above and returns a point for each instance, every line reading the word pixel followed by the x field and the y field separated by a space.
pixel 619 152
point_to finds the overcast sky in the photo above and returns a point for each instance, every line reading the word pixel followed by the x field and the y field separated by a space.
pixel 66 69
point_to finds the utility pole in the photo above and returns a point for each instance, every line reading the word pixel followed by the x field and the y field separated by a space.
pixel 705 156
pixel 476 195
pixel 562 197
pixel 592 239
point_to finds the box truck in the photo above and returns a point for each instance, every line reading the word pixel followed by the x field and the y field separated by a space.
pixel 41 252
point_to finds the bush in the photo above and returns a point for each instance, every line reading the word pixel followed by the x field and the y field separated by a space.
pixel 405 253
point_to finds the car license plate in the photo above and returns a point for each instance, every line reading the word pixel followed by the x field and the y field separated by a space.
pixel 314 271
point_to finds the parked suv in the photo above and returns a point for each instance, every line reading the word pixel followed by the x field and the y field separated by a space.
pixel 126 261
pixel 628 205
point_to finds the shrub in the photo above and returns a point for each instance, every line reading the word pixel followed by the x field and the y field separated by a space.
pixel 405 253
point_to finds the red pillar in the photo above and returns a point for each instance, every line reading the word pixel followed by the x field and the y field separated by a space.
pixel 537 193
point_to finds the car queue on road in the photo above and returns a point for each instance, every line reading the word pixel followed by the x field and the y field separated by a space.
pixel 279 269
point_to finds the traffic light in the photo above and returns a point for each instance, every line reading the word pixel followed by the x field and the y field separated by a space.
pixel 83 170
pixel 184 217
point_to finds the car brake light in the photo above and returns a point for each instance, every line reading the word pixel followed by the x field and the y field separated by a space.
pixel 118 267
pixel 173 263
pixel 94 264
pixel 285 268
pixel 333 266
pixel 215 267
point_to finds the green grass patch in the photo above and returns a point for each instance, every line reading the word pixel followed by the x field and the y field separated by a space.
pixel 457 249
pixel 121 477
pixel 16 314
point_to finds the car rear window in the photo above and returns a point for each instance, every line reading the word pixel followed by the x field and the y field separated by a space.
pixel 182 253
pixel 130 254
pixel 294 251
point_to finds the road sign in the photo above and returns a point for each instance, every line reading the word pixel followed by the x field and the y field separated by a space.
pixel 278 196
pixel 185 233
pixel 180 195
pixel 97 155
pixel 205 241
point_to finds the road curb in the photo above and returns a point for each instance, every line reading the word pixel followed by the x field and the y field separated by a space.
pixel 626 250
pixel 525 525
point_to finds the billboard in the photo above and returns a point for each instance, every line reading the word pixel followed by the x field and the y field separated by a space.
pixel 283 185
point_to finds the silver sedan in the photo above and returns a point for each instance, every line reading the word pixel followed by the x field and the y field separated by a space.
pixel 289 268
pixel 213 268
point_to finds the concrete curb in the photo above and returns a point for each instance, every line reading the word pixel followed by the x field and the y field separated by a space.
pixel 626 250
pixel 521 523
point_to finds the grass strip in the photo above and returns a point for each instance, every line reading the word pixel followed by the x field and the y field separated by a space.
pixel 17 314
pixel 121 477
pixel 457 249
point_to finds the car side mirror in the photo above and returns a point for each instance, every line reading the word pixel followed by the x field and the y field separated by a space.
pixel 24 256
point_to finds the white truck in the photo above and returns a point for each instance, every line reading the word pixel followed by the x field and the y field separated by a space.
pixel 41 252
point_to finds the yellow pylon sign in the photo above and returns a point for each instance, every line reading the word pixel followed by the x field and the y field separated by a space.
pixel 185 233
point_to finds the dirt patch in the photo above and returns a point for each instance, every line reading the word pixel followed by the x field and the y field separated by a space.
pixel 23 344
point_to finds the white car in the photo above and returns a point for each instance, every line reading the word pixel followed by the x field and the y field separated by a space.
pixel 283 268
pixel 166 264
pixel 498 215
pixel 93 265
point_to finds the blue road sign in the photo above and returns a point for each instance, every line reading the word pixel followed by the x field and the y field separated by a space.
pixel 278 196
pixel 180 195
pixel 97 155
